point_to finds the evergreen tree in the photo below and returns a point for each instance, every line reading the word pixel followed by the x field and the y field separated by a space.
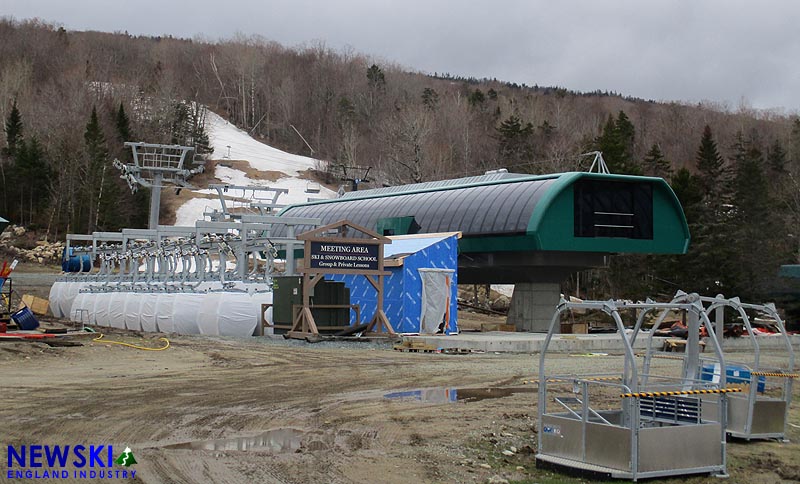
pixel 95 140
pixel 123 125
pixel 546 129
pixel 188 127
pixel 375 77
pixel 759 241
pixel 655 163
pixel 13 129
pixel 794 145
pixel 608 142
pixel 430 98
pixel 33 173
pixel 710 164
pixel 476 99
pixel 776 158
pixel 515 140
pixel 96 177
pixel 680 272
pixel 616 142
pixel 689 191
pixel 710 266
pixel 626 133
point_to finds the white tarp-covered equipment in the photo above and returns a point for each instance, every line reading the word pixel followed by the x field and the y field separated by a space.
pixel 212 311
pixel 185 312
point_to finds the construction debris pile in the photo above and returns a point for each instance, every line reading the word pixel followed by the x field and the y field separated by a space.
pixel 43 253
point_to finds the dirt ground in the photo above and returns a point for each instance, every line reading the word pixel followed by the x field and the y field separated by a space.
pixel 328 411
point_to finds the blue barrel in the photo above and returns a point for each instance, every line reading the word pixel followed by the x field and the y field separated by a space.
pixel 75 263
pixel 25 319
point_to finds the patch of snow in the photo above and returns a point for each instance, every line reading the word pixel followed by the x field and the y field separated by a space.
pixel 223 134
pixel 230 142
pixel 192 210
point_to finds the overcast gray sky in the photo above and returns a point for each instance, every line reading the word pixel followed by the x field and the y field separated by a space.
pixel 689 50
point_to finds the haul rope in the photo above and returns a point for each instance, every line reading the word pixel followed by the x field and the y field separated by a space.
pixel 144 348
pixel 766 373
pixel 683 392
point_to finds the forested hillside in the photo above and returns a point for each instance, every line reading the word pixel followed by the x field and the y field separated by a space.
pixel 69 99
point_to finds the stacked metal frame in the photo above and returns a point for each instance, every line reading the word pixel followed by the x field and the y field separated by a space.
pixel 761 411
pixel 634 424
pixel 154 280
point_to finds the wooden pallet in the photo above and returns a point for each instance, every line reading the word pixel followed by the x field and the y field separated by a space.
pixel 415 347
pixel 456 351
pixel 417 350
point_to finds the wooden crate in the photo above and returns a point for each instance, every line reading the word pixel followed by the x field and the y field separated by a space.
pixel 38 305
pixel 574 328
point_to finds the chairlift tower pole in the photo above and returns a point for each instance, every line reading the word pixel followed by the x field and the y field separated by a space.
pixel 155 200
pixel 155 166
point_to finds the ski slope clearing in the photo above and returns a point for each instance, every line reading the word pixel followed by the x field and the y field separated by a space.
pixel 280 170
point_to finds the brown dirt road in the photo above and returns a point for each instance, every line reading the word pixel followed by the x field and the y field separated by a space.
pixel 331 394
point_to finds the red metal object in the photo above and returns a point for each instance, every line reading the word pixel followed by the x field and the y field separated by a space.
pixel 27 335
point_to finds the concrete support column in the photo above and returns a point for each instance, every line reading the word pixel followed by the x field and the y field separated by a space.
pixel 533 305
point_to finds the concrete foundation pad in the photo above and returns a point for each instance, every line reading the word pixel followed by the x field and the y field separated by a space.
pixel 498 341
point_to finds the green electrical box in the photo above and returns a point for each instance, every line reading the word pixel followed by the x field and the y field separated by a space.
pixel 331 293
pixel 286 292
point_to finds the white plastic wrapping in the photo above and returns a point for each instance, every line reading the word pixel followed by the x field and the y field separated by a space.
pixel 236 314
pixel 55 299
pixel 68 294
pixel 259 298
pixel 207 317
pixel 99 314
pixel 225 313
pixel 435 298
pixel 116 310
pixel 185 312
pixel 133 305
pixel 147 312
pixel 80 308
pixel 164 306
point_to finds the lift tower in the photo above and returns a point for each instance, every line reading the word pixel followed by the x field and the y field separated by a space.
pixel 156 166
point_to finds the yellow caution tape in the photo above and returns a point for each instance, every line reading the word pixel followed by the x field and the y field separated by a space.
pixel 165 340
pixel 766 373
pixel 683 392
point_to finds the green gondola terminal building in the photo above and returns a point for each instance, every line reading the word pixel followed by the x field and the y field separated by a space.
pixel 529 230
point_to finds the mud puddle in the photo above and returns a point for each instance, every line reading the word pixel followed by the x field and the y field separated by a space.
pixel 277 441
pixel 453 395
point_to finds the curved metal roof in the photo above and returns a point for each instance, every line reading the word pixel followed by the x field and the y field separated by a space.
pixel 440 184
pixel 473 209
pixel 519 213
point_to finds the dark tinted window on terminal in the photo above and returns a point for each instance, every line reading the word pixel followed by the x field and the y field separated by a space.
pixel 613 209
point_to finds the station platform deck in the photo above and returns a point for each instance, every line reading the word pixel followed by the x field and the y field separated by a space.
pixel 499 341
